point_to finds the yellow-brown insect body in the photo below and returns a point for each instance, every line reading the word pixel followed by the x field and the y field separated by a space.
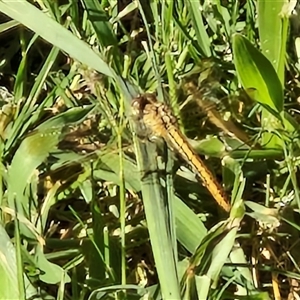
pixel 159 119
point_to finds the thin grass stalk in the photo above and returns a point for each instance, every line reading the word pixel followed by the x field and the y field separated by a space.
pixel 268 187
pixel 2 171
pixel 41 77
pixel 291 167
pixel 106 247
pixel 122 196
pixel 20 275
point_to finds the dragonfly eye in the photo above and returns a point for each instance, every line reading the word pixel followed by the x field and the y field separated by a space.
pixel 138 105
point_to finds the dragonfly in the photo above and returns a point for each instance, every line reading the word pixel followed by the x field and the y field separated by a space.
pixel 158 118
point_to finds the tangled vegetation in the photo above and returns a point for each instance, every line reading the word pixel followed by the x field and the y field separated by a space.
pixel 90 209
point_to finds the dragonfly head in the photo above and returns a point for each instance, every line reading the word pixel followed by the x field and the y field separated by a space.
pixel 139 104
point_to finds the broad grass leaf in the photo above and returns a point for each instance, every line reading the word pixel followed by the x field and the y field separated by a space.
pixel 8 270
pixel 273 19
pixel 201 257
pixel 220 254
pixel 263 214
pixel 256 72
pixel 32 152
pixel 71 116
pixel 190 230
pixel 202 286
pixel 51 273
pixel 8 267
pixel 238 258
pixel 158 225
pixel 86 188
pixel 212 147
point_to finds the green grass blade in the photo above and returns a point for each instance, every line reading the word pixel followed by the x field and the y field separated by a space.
pixel 54 33
pixel 8 25
pixel 31 153
pixel 98 18
pixel 220 255
pixel 203 286
pixel 19 260
pixel 8 271
pixel 256 72
pixel 8 268
pixel 198 25
pixel 189 229
pixel 41 78
pixel 273 27
pixel 157 220
pixel 51 273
